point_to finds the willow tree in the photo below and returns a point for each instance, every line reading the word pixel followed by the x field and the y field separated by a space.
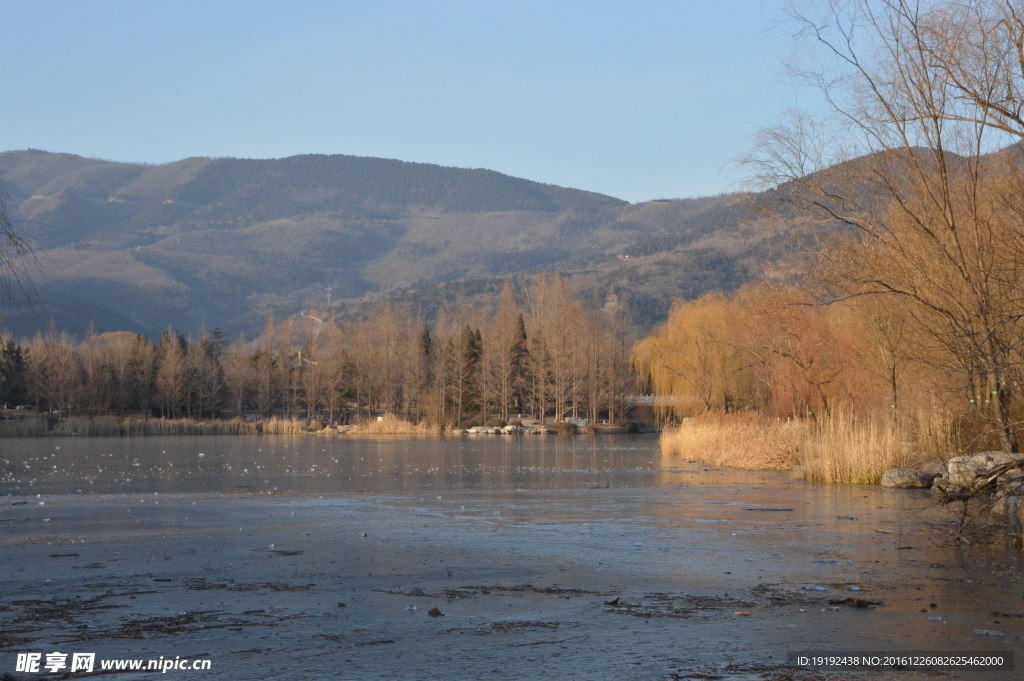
pixel 696 356
pixel 914 157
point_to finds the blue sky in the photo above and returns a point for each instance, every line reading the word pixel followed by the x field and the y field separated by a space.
pixel 635 99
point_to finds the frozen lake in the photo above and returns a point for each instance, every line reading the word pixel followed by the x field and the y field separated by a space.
pixel 311 464
pixel 242 555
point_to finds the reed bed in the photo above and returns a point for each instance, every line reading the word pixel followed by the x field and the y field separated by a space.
pixel 276 426
pixel 95 427
pixel 79 427
pixel 844 448
pixel 840 447
pixel 858 449
pixel 389 424
pixel 743 440
pixel 28 427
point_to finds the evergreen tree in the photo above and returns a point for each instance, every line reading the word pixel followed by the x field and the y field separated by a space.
pixel 12 372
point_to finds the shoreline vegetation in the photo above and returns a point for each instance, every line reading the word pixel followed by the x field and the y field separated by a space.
pixel 138 426
pixel 110 427
pixel 538 353
pixel 839 447
pixel 388 424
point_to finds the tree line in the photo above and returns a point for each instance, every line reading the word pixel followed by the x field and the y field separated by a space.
pixel 915 168
pixel 538 353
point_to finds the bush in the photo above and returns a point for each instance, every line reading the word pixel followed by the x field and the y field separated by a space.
pixel 389 424
pixel 563 427
pixel 630 426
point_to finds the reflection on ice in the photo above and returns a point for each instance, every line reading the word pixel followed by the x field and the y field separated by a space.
pixel 309 464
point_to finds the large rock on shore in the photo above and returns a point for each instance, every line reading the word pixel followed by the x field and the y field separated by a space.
pixel 906 478
pixel 934 469
pixel 962 470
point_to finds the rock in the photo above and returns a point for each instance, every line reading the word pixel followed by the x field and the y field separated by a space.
pixel 1006 505
pixel 798 472
pixel 993 459
pixel 934 469
pixel 905 478
pixel 962 470
pixel 1013 476
pixel 435 612
pixel 941 487
pixel 363 534
pixel 342 605
pixel 612 601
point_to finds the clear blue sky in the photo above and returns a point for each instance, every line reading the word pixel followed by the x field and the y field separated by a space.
pixel 635 99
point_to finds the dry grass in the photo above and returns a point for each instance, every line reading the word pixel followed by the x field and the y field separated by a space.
pixel 840 447
pixel 29 427
pixel 276 426
pixel 851 449
pixel 77 427
pixel 742 440
pixel 72 427
pixel 389 424
pixel 843 448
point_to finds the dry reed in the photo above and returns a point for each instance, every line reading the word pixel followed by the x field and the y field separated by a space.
pixel 859 449
pixel 844 448
pixel 390 424
pixel 839 447
pixel 29 427
pixel 78 427
pixel 742 440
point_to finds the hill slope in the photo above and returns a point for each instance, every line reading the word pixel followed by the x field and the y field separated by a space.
pixel 228 241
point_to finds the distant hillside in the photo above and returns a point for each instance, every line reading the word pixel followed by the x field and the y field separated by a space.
pixel 139 247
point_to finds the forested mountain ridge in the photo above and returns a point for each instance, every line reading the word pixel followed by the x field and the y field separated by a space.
pixel 229 241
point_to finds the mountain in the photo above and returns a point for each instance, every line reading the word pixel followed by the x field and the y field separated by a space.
pixel 227 241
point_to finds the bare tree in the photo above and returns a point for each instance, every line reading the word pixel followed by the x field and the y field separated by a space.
pixel 238 374
pixel 171 376
pixel 911 159
pixel 18 261
pixel 501 353
pixel 266 373
pixel 96 381
pixel 55 370
pixel 315 368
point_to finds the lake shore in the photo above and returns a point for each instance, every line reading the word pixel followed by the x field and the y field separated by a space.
pixel 254 581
